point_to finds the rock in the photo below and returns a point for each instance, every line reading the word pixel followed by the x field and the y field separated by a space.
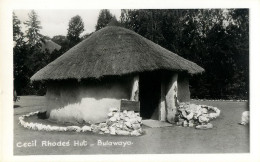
pixel 179 123
pixel 218 112
pixel 245 118
pixel 203 119
pixel 86 128
pixel 63 129
pixel 114 125
pixel 185 123
pixel 128 124
pixel 102 125
pixel 119 125
pixel 206 126
pixel 205 106
pixel 112 130
pixel 73 128
pixel 104 129
pixel 209 107
pixel 113 119
pixel 137 114
pixel 136 126
pixel 191 123
pixel 140 131
pixel 135 133
pixel 113 109
pixel 122 132
pixel 127 119
pixel 131 114
pixel 116 116
pixel 184 114
pixel 126 128
pixel 95 128
pixel 139 119
pixel 125 112
pixel 190 116
pixel 110 114
pixel 110 123
pixel 133 121
pixel 122 116
pixel 181 120
pixel 204 110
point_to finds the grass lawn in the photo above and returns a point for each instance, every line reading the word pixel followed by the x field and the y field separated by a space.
pixel 227 136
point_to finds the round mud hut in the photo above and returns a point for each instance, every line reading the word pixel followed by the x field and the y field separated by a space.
pixel 115 68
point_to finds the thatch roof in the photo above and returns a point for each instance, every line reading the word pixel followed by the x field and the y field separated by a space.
pixel 114 51
pixel 50 46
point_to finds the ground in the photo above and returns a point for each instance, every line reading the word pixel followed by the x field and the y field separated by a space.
pixel 227 136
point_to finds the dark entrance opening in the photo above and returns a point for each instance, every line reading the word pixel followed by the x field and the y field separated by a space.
pixel 149 94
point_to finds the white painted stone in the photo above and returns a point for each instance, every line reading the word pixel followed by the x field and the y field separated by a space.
pixel 245 118
pixel 135 133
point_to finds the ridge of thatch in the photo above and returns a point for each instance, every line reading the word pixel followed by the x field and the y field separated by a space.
pixel 114 51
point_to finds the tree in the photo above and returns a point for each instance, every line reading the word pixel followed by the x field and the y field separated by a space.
pixel 32 33
pixel 17 33
pixel 19 55
pixel 76 27
pixel 103 19
pixel 62 41
pixel 216 39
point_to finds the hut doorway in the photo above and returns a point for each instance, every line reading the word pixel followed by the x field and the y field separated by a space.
pixel 150 94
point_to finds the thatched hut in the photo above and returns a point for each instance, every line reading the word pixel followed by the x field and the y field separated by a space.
pixel 111 65
pixel 49 45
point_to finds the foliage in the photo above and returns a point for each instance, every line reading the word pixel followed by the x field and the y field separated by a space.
pixel 103 19
pixel 62 41
pixel 215 39
pixel 19 50
pixel 76 27
pixel 17 33
pixel 33 29
pixel 29 57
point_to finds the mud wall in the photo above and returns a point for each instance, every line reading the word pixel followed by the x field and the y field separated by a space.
pixel 168 102
pixel 171 98
pixel 72 101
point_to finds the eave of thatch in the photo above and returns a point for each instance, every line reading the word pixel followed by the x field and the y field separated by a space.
pixel 114 51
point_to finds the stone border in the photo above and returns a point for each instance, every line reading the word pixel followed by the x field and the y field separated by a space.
pixel 43 127
pixel 49 128
pixel 197 115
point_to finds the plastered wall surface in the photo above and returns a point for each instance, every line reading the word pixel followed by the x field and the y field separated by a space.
pixel 77 102
pixel 171 98
pixel 90 101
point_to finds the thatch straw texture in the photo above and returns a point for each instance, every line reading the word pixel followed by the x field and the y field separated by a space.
pixel 114 51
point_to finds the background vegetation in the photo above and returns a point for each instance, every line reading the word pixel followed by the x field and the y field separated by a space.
pixel 216 39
